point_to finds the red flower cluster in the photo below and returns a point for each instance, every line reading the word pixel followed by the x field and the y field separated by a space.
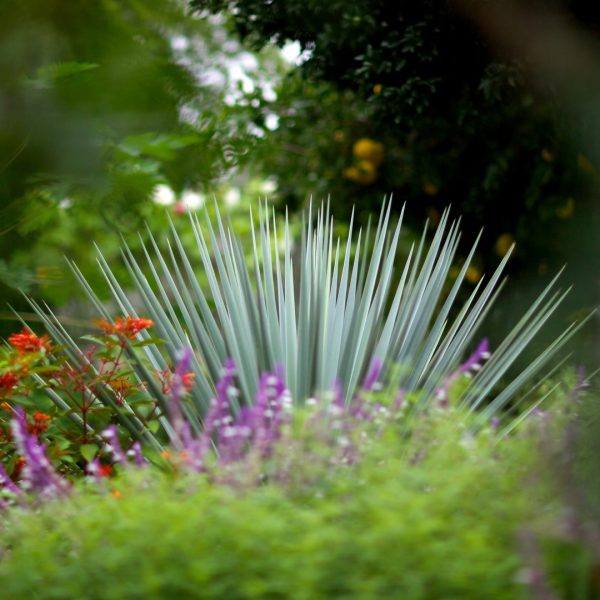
pixel 188 381
pixel 26 342
pixel 8 381
pixel 104 470
pixel 125 326
pixel 40 423
pixel 166 381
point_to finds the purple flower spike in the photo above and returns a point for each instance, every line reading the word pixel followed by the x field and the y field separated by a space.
pixel 474 362
pixel 113 446
pixel 338 394
pixel 6 483
pixel 135 452
pixel 218 416
pixel 269 412
pixel 38 474
pixel 372 375
pixel 182 440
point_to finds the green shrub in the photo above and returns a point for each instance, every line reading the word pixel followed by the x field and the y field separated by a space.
pixel 436 518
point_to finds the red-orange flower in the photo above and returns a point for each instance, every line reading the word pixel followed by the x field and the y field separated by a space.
pixel 8 381
pixel 126 326
pixel 26 342
pixel 40 423
pixel 104 470
pixel 188 381
pixel 16 473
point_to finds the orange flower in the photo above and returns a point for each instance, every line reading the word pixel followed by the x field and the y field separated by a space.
pixel 125 326
pixel 40 423
pixel 26 342
pixel 8 381
pixel 188 381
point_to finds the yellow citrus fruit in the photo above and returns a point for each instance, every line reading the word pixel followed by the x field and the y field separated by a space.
pixel 473 274
pixel 363 172
pixel 369 150
pixel 503 244
pixel 377 88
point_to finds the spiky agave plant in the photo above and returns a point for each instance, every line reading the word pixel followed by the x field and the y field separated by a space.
pixel 324 313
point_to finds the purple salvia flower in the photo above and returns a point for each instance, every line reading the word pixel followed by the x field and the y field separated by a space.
pixel 236 438
pixel 338 394
pixel 38 474
pixel 6 483
pixel 473 363
pixel 218 416
pixel 183 440
pixel 270 411
pixel 372 374
pixel 93 468
pixel 135 452
pixel 113 446
pixel 481 353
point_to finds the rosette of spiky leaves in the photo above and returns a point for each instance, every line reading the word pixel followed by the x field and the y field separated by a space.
pixel 324 310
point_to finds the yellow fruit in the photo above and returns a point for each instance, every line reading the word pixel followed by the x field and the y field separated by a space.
pixel 377 88
pixel 363 172
pixel 369 150
pixel 503 244
pixel 566 211
pixel 431 189
pixel 473 274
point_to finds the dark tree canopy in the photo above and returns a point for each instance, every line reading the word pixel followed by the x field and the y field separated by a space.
pixel 464 120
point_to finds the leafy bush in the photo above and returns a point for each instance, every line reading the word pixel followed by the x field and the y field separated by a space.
pixel 434 518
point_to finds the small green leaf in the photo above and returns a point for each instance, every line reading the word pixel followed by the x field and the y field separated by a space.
pixel 88 451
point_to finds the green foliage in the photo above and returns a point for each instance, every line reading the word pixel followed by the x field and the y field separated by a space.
pixel 442 525
pixel 100 103
pixel 463 121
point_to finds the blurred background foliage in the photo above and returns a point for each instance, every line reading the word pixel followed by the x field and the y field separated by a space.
pixel 488 105
pixel 101 103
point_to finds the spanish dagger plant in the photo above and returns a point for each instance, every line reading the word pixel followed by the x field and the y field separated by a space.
pixel 324 313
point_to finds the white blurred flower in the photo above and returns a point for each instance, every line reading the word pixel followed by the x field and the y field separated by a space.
pixel 232 197
pixel 163 195
pixel 192 200
pixel 269 186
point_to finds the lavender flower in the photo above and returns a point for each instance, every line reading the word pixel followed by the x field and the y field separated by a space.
pixel 183 440
pixel 38 474
pixel 474 362
pixel 270 410
pixel 135 452
pixel 113 446
pixel 6 483
pixel 372 374
pixel 218 416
